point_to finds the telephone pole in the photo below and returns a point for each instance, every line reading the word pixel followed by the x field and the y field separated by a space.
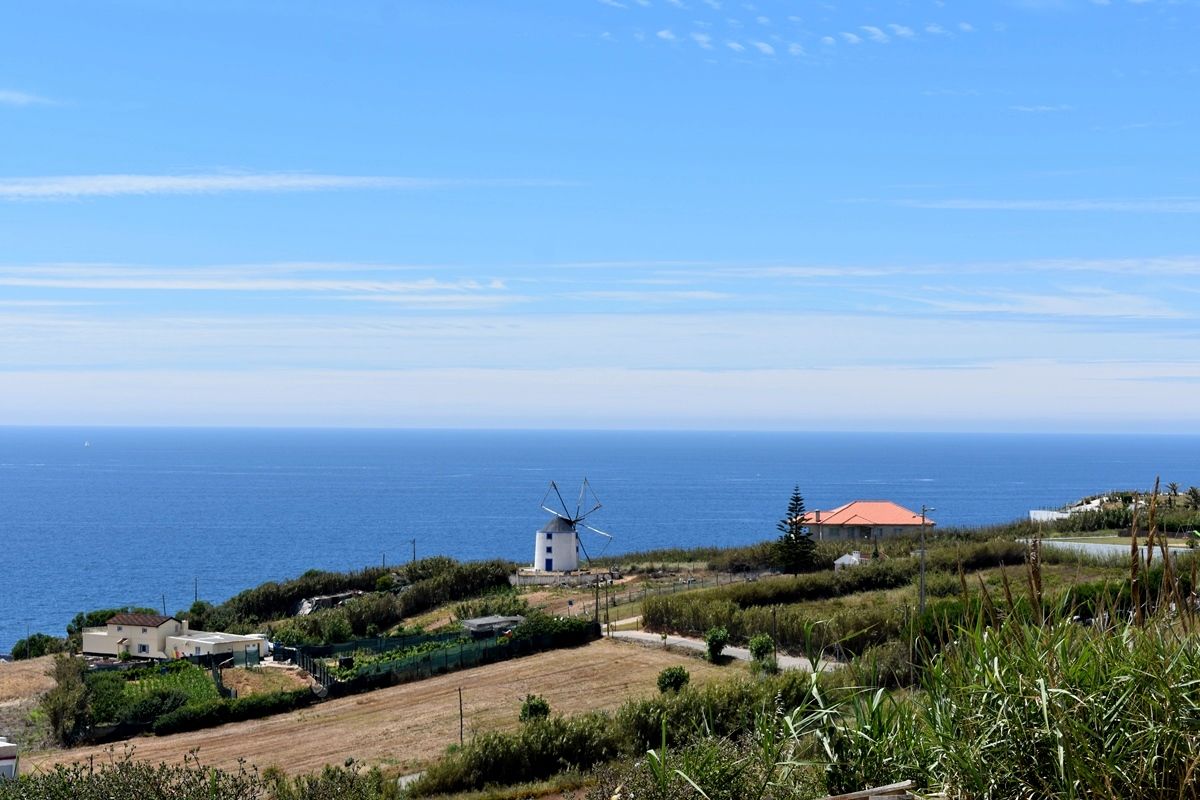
pixel 924 510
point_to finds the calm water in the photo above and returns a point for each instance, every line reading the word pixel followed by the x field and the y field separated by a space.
pixel 143 513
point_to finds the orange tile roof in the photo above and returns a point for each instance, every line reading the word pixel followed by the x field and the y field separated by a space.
pixel 868 513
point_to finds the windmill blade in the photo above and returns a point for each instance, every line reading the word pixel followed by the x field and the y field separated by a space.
pixel 579 502
pixel 565 513
pixel 557 514
pixel 584 549
pixel 597 530
pixel 562 502
pixel 587 488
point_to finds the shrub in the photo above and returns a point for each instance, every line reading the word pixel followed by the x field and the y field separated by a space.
pixel 538 750
pixel 534 707
pixel 218 712
pixel 672 679
pixel 66 705
pixel 154 704
pixel 762 647
pixel 715 641
pixel 37 645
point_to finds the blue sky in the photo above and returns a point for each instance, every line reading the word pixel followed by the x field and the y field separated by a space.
pixel 602 213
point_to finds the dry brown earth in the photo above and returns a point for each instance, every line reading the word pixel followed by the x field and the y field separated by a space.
pixel 22 680
pixel 407 727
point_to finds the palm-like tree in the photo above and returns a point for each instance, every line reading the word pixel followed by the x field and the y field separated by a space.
pixel 1173 493
pixel 1193 495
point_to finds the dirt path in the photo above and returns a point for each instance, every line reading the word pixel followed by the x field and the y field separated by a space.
pixel 406 727
pixel 740 653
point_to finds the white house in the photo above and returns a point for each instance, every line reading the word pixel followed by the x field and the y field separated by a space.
pixel 141 635
pixel 155 636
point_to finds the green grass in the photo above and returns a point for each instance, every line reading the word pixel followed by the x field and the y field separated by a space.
pixel 195 682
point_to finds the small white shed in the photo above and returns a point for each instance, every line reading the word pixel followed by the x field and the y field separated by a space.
pixel 848 560
pixel 8 759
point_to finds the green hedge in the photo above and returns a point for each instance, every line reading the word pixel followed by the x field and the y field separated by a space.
pixel 541 748
pixel 206 715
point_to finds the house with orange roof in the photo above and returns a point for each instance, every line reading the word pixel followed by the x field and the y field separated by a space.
pixel 864 519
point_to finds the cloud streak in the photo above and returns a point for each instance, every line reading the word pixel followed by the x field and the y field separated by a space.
pixel 12 97
pixel 66 187
pixel 1150 205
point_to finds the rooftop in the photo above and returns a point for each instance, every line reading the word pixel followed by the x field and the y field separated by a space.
pixel 868 512
pixel 140 620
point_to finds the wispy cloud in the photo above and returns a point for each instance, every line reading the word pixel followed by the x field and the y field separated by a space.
pixel 63 187
pixel 702 39
pixel 903 31
pixel 764 48
pixel 12 97
pixel 875 34
pixel 666 35
pixel 1152 205
pixel 1041 109
pixel 851 38
pixel 1073 303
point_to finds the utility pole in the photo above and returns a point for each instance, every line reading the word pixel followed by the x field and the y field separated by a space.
pixel 195 590
pixel 414 544
pixel 775 637
pixel 924 510
pixel 460 717
pixel 164 599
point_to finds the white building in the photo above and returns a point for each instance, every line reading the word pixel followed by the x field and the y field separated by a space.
pixel 556 546
pixel 155 636
pixel 8 759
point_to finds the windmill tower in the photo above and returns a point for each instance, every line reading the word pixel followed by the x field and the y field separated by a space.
pixel 558 544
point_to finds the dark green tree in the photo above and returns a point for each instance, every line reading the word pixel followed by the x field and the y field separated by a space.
pixel 795 550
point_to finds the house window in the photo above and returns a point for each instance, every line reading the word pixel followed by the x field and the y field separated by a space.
pixel 143 630
pixel 197 649
pixel 119 628
pixel 549 536
pixel 549 550
pixel 143 648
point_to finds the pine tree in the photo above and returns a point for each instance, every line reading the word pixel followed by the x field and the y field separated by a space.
pixel 795 551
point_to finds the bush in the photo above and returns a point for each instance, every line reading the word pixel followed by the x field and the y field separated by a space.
pixel 715 641
pixel 66 705
pixel 538 750
pixel 37 645
pixel 672 679
pixel 218 712
pixel 762 647
pixel 534 707
pixel 154 704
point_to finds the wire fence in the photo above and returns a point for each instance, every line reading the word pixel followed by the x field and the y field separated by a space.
pixel 616 598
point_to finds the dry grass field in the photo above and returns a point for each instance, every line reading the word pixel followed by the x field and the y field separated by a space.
pixel 262 680
pixel 406 727
pixel 23 680
pixel 21 684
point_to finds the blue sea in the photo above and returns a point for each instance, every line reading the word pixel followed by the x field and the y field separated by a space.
pixel 139 515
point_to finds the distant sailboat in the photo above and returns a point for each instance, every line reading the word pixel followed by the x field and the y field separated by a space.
pixel 87 444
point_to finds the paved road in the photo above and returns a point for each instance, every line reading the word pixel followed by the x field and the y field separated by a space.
pixel 740 653
pixel 1106 548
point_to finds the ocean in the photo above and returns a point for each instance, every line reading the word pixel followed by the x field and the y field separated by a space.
pixel 98 517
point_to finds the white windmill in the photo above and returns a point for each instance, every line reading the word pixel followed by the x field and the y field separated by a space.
pixel 558 543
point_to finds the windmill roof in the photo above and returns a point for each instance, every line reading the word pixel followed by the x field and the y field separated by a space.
pixel 557 524
pixel 868 512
